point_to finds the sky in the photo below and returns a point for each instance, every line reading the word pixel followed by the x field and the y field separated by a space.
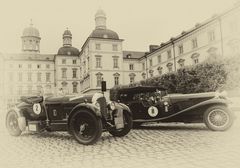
pixel 139 22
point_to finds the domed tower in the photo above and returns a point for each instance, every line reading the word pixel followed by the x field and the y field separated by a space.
pixel 67 38
pixel 31 39
pixel 100 19
pixel 101 30
pixel 67 48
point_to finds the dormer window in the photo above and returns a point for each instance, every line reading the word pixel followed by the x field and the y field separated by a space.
pixel 129 55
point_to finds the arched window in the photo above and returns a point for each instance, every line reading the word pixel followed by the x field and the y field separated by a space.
pixel 116 78
pixel 151 73
pixel 181 62
pixel 160 70
pixel 75 84
pixel 170 67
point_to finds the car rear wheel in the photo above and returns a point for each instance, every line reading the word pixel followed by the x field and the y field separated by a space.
pixel 127 126
pixel 12 124
pixel 85 127
pixel 218 118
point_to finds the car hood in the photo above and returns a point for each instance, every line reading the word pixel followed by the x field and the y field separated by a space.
pixel 192 96
pixel 70 98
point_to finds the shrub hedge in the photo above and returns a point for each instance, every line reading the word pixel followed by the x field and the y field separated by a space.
pixel 211 75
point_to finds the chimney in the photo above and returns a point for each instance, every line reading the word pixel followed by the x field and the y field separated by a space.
pixel 153 48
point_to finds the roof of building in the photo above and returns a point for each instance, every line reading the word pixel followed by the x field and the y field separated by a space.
pixel 196 27
pixel 68 50
pixel 30 56
pixel 104 33
pixel 67 33
pixel 30 32
pixel 133 54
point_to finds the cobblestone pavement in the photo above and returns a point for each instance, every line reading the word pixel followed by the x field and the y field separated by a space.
pixel 157 145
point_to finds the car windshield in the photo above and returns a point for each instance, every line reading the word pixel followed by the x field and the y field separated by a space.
pixel 144 95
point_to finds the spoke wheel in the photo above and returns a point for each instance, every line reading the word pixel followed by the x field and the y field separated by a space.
pixel 218 118
pixel 127 126
pixel 12 124
pixel 85 127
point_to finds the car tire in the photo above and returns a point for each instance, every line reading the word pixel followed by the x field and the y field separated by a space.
pixel 85 127
pixel 218 118
pixel 127 126
pixel 12 124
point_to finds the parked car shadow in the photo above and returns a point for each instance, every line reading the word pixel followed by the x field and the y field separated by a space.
pixel 49 135
pixel 177 126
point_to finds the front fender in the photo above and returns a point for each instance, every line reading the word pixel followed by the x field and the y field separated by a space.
pixel 88 106
pixel 213 101
pixel 124 107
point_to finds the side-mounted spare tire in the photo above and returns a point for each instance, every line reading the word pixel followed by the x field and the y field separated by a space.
pixel 85 127
pixel 127 126
pixel 218 118
pixel 12 124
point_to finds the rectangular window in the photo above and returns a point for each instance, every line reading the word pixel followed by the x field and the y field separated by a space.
pixel 159 59
pixel 39 76
pixel 29 66
pixel 64 73
pixel 150 62
pixel 131 66
pixel 132 79
pixel 115 47
pixel 20 66
pixel 74 73
pixel 75 88
pixel 170 68
pixel 143 66
pixel 47 66
pixel 20 76
pixel 74 61
pixel 29 76
pixel 38 66
pixel 99 80
pixel 98 62
pixel 63 61
pixel 196 61
pixel 29 89
pixel 169 54
pixel 48 76
pixel 98 46
pixel 116 80
pixel 180 49
pixel 115 63
pixel 211 36
pixel 194 43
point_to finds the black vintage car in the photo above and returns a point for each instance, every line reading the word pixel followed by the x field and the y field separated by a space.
pixel 83 116
pixel 154 104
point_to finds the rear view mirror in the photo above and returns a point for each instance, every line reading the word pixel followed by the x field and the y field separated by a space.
pixel 104 86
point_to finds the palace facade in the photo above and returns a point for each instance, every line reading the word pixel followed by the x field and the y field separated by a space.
pixel 102 57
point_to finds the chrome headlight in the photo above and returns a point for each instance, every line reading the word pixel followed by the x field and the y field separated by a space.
pixel 112 105
pixel 97 105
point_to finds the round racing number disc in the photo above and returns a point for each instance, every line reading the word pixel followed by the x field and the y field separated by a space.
pixel 153 111
pixel 37 108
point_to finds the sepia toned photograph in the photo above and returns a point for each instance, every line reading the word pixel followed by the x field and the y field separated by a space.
pixel 120 84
